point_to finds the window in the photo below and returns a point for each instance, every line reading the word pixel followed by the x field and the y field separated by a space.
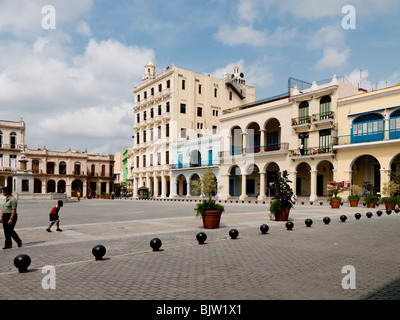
pixel 368 127
pixel 167 130
pixel 145 94
pixel 138 98
pixel 303 112
pixel 230 95
pixel 151 134
pixel 25 185
pixel 159 158
pixel 325 107
pixel 151 160
pixel 210 157
pixel 159 132
pixel 167 107
pixel 152 91
pixel 199 88
pixel 394 125
pixel 144 160
pixel 215 113
pixel 144 136
pixel 144 115
pixel 137 161
pixel 151 113
pixel 183 132
pixel 138 118
pixel 325 140
pixel 215 92
pixel 35 166
pixel 199 125
pixel 166 157
pixel 183 85
pixel 168 84
pixel 1 139
pixel 160 87
pixel 199 112
pixel 137 138
pixel 13 162
pixel 303 141
pixel 183 108
pixel 13 140
pixel 77 168
pixel 62 168
pixel 159 110
pixel 103 170
pixel 214 129
pixel 50 168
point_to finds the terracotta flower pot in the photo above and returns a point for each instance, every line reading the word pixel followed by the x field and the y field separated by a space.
pixel 353 202
pixel 283 215
pixel 335 204
pixel 371 204
pixel 389 205
pixel 211 219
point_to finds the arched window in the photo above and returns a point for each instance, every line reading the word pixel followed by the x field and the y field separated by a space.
pixel 325 107
pixel 394 125
pixel 195 159
pixel 368 127
pixel 303 112
pixel 13 140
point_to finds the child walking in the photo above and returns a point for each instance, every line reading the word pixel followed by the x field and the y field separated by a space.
pixel 54 218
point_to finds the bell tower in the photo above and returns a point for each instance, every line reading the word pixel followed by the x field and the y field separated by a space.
pixel 150 71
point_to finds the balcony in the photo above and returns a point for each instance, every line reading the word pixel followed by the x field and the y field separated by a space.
pixel 323 119
pixel 193 165
pixel 301 123
pixel 271 149
pixel 311 153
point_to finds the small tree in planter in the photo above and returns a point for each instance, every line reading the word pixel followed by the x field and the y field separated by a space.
pixel 389 189
pixel 335 200
pixel 208 210
pixel 354 196
pixel 370 196
pixel 283 199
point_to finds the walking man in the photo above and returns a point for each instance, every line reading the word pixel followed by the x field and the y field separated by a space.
pixel 9 218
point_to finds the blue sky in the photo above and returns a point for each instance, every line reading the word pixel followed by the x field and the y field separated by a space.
pixel 73 84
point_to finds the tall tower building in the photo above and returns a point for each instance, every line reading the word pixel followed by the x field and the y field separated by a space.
pixel 176 105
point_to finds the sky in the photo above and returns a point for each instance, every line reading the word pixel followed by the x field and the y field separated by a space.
pixel 69 70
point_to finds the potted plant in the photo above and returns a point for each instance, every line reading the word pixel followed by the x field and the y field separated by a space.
pixel 371 200
pixel 283 199
pixel 335 200
pixel 354 197
pixel 389 189
pixel 208 210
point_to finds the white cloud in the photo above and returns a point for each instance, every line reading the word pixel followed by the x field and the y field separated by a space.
pixel 247 35
pixel 361 78
pixel 332 58
pixel 83 29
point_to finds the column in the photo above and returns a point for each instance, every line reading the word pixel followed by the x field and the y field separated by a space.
pixel 262 195
pixel 155 186
pixel 244 141
pixel 135 187
pixel 313 196
pixel 187 188
pixel 293 179
pixel 263 141
pixel 163 185
pixel 243 195
pixel 224 194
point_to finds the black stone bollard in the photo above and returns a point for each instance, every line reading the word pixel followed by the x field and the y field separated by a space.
pixel 364 204
pixel 289 225
pixel 264 229
pixel 308 222
pixel 358 216
pixel 22 262
pixel 155 244
pixel 343 218
pixel 311 203
pixel 321 203
pixel 388 211
pixel 233 233
pixel 327 220
pixel 397 210
pixel 201 237
pixel 379 213
pixel 369 214
pixel 302 203
pixel 99 251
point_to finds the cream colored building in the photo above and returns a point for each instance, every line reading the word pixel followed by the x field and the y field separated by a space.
pixel 70 171
pixel 12 143
pixel 262 139
pixel 368 142
pixel 177 105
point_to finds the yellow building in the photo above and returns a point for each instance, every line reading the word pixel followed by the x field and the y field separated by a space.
pixel 260 140
pixel 173 106
pixel 368 142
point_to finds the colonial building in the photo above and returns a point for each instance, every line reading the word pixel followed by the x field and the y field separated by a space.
pixel 177 105
pixel 12 143
pixel 292 131
pixel 368 140
pixel 70 171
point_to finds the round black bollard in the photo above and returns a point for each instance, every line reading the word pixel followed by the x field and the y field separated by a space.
pixel 379 213
pixel 369 214
pixel 99 251
pixel 321 203
pixel 289 225
pixel 308 222
pixel 327 220
pixel 358 216
pixel 201 237
pixel 343 218
pixel 155 244
pixel 233 233
pixel 22 262
pixel 397 210
pixel 302 203
pixel 311 203
pixel 388 211
pixel 364 204
pixel 264 229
